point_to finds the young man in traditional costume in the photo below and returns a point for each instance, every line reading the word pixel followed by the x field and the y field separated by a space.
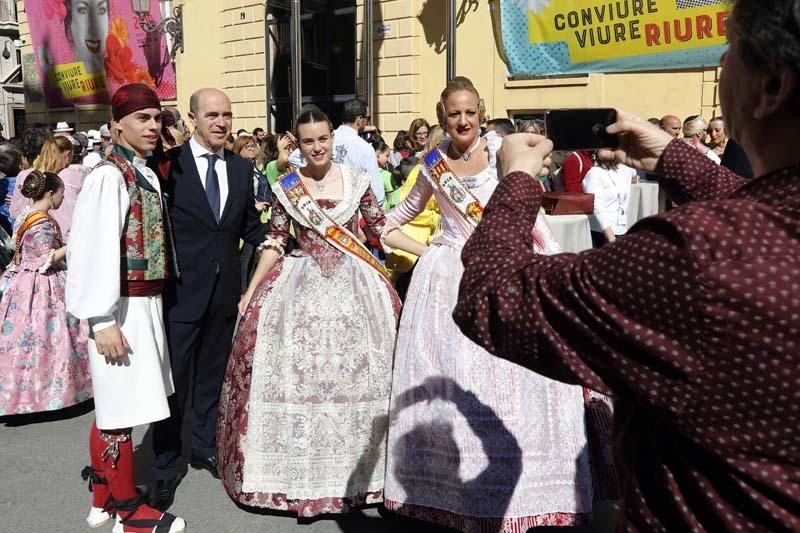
pixel 120 253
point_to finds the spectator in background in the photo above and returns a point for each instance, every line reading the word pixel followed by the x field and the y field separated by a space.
pixel 418 133
pixel 671 124
pixel 390 187
pixel 10 166
pixel 718 138
pixel 260 135
pixel 529 126
pixel 246 147
pixel 56 158
pixel 694 133
pixel 105 137
pixel 610 182
pixel 501 126
pixel 63 130
pixel 95 145
pixel 277 156
pixel 575 167
pixel 32 141
pixel 402 148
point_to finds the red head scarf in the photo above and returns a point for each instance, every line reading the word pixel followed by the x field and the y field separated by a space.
pixel 131 98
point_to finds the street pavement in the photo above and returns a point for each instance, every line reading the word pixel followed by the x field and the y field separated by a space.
pixel 41 457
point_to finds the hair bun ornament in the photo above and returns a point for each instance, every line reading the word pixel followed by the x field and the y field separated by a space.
pixel 34 185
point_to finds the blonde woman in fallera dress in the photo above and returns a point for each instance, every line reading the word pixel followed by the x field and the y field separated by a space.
pixel 302 416
pixel 475 443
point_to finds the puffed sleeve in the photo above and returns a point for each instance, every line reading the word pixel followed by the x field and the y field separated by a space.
pixel 278 232
pixel 93 249
pixel 411 206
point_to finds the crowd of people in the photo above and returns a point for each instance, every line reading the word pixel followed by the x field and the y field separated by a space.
pixel 347 323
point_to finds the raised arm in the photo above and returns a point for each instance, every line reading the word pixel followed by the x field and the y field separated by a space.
pixel 575 318
pixel 687 175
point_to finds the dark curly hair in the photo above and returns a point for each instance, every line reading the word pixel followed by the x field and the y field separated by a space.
pixel 32 141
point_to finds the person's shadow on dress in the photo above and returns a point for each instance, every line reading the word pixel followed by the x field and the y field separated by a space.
pixel 435 451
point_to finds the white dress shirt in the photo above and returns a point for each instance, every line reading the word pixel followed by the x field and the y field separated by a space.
pixel 220 166
pixel 351 150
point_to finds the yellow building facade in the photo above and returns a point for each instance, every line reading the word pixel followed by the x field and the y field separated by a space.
pixel 225 47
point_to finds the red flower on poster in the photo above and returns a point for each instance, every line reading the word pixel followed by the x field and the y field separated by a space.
pixel 119 60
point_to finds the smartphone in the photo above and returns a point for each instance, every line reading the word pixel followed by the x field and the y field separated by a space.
pixel 580 129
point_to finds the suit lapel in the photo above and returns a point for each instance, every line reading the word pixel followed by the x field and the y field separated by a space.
pixel 194 185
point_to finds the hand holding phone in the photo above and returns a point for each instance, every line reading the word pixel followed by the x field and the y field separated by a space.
pixel 580 129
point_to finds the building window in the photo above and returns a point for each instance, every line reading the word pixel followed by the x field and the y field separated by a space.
pixel 328 51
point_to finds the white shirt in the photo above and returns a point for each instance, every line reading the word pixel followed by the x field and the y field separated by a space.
pixel 220 166
pixel 351 150
pixel 91 159
pixel 611 189
pixel 98 222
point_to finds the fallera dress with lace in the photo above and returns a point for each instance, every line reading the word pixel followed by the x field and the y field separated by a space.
pixel 498 448
pixel 303 414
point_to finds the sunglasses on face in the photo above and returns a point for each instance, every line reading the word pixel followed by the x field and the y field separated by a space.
pixel 421 134
pixel 251 147
pixel 106 138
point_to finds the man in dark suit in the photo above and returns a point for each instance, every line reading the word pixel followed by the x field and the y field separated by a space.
pixel 212 206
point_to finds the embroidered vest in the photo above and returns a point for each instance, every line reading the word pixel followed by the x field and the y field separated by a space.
pixel 145 244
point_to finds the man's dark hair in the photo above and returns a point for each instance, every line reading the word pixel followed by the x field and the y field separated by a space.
pixel 503 125
pixel 32 141
pixel 257 131
pixel 353 109
pixel 654 121
pixel 242 130
pixel 768 36
pixel 10 160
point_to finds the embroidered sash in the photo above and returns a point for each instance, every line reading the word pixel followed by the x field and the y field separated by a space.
pixel 457 194
pixel 33 219
pixel 334 234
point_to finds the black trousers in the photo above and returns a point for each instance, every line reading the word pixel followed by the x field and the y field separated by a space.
pixel 199 354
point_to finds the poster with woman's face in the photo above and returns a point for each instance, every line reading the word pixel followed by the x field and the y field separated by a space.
pixel 86 49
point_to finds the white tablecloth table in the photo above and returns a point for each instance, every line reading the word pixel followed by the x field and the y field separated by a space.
pixel 646 199
pixel 571 232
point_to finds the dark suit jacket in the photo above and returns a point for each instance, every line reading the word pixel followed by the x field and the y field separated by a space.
pixel 208 252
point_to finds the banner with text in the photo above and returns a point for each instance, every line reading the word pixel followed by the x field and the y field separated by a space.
pixel 556 37
pixel 86 49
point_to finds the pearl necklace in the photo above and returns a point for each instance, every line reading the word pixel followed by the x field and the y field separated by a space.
pixel 468 153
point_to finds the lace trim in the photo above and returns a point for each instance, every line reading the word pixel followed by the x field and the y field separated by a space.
pixel 272 244
pixel 48 263
pixel 355 183
pixel 387 229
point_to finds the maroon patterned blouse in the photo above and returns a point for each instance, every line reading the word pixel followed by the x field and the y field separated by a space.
pixel 692 321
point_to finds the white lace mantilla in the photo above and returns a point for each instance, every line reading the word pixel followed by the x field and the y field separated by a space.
pixel 320 383
pixel 355 183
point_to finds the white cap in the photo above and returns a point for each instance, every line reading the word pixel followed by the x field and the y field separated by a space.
pixel 62 127
pixel 104 130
